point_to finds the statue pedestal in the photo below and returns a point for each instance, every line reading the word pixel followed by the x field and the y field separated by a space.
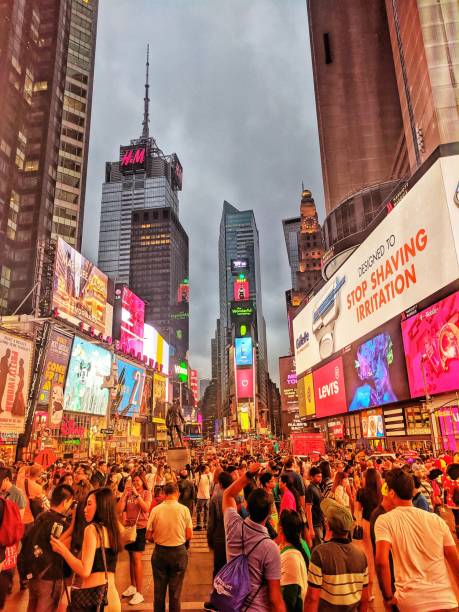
pixel 177 458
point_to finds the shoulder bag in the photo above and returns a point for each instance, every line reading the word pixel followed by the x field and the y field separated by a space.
pixel 92 598
pixel 130 531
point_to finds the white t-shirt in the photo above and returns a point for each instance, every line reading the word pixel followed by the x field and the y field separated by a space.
pixel 293 570
pixel 417 540
pixel 203 482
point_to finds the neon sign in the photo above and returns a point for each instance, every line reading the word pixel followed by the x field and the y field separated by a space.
pixel 133 156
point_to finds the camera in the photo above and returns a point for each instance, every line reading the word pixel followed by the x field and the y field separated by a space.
pixel 56 530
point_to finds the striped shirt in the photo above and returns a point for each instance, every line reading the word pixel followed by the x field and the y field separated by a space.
pixel 339 569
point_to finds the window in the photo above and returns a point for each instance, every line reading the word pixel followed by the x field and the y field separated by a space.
pixel 40 86
pixel 327 48
pixel 31 166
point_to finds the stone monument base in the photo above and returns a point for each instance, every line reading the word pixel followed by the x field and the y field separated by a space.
pixel 177 458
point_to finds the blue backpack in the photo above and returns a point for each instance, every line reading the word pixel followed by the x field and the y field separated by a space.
pixel 231 585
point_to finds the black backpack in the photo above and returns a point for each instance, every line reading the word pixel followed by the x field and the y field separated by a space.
pixel 36 556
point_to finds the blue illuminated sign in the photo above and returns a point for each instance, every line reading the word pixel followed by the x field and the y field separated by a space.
pixel 243 348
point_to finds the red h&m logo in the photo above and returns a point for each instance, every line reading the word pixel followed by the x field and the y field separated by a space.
pixel 133 156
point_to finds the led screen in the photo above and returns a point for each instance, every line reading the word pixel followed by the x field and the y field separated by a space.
pixel 372 424
pixel 128 391
pixel 130 313
pixel 244 383
pixel 329 389
pixel 88 367
pixel 51 394
pixel 159 398
pixel 244 355
pixel 431 340
pixel 374 369
pixel 241 290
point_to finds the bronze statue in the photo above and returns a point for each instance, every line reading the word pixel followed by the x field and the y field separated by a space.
pixel 174 421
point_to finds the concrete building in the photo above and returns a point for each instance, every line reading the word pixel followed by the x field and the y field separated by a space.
pixel 310 245
pixel 291 229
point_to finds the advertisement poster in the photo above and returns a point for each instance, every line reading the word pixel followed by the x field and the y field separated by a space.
pixel 16 356
pixel 388 273
pixel 374 369
pixel 244 351
pixel 156 348
pixel 449 427
pixel 431 340
pixel 159 398
pixel 147 398
pixel 239 265
pixel 244 383
pixel 372 424
pixel 88 367
pixel 241 290
pixel 288 384
pixel 51 394
pixel 329 389
pixel 129 319
pixel 309 395
pixel 80 290
pixel 128 391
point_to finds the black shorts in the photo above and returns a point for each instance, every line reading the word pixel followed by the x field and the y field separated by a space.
pixel 139 544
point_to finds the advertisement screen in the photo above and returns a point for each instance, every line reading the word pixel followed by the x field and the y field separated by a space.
pixel 132 159
pixel 147 398
pixel 128 391
pixel 288 384
pixel 79 288
pixel 374 369
pixel 391 271
pixel 431 340
pixel 156 348
pixel 244 354
pixel 329 389
pixel 88 367
pixel 372 424
pixel 310 400
pixel 239 265
pixel 51 394
pixel 129 317
pixel 244 383
pixel 449 426
pixel 159 398
pixel 241 290
pixel 16 356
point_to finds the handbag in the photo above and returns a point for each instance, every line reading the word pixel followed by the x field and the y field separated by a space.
pixel 92 597
pixel 130 532
pixel 358 533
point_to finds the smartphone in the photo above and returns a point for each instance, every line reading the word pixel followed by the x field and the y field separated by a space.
pixel 56 530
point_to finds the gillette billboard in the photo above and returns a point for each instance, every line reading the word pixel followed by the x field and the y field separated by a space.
pixel 410 255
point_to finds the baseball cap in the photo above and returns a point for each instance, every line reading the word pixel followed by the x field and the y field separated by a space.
pixel 339 518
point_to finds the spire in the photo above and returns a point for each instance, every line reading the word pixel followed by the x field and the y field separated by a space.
pixel 146 101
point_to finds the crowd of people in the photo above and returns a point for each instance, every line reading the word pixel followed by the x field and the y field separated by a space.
pixel 295 521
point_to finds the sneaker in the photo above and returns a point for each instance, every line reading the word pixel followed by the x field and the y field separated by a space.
pixel 130 591
pixel 137 599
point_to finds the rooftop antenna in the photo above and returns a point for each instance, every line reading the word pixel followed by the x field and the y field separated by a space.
pixel 146 101
pixel 302 186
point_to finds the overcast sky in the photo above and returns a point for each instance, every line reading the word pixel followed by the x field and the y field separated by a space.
pixel 232 94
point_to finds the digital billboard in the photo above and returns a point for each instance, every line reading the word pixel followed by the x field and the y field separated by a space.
pixel 16 356
pixel 372 424
pixel 391 271
pixel 129 319
pixel 239 265
pixel 288 384
pixel 244 383
pixel 329 389
pixel 244 351
pixel 80 290
pixel 156 348
pixel 159 398
pixel 449 427
pixel 51 394
pixel 133 159
pixel 147 397
pixel 374 369
pixel 431 340
pixel 128 390
pixel 242 312
pixel 241 290
pixel 89 365
pixel 310 400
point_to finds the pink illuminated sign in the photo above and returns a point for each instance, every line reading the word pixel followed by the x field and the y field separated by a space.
pixel 133 156
pixel 431 341
pixel 329 389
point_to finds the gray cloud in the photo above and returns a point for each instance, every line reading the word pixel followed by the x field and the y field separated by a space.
pixel 232 94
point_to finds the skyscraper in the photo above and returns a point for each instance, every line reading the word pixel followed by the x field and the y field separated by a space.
pixel 142 242
pixel 241 308
pixel 291 229
pixel 310 245
pixel 76 120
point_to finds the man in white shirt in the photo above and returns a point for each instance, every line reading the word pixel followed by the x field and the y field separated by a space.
pixel 203 484
pixel 420 543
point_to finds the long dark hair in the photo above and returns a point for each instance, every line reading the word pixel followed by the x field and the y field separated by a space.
pixel 285 478
pixel 292 527
pixel 106 516
pixel 372 487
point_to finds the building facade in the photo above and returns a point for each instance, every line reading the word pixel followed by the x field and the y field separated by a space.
pixel 310 245
pixel 291 229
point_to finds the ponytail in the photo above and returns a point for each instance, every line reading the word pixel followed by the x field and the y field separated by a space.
pixel 292 528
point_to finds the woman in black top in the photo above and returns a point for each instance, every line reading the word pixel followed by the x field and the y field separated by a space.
pixel 101 516
pixel 368 498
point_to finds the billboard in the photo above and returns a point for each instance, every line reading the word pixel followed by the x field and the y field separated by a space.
pixel 329 389
pixel 431 340
pixel 244 351
pixel 156 348
pixel 80 290
pixel 374 369
pixel 129 319
pixel 16 355
pixel 372 424
pixel 128 389
pixel 310 401
pixel 449 427
pixel 241 290
pixel 389 272
pixel 51 394
pixel 244 383
pixel 145 410
pixel 88 367
pixel 239 265
pixel 242 312
pixel 133 159
pixel 288 384
pixel 159 398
